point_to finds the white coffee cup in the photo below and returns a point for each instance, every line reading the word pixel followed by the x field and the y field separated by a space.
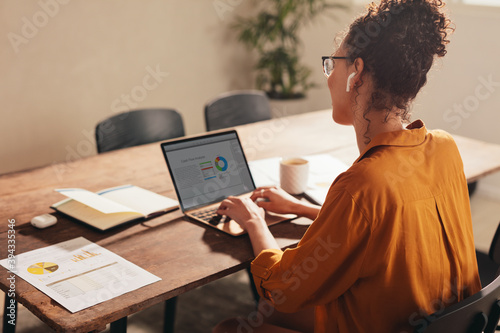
pixel 293 174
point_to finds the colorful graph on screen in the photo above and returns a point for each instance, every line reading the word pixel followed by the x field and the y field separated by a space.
pixel 207 170
pixel 221 163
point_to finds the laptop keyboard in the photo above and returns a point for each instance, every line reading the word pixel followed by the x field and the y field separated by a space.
pixel 209 215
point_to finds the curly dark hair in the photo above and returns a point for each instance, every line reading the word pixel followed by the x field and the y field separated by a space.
pixel 397 40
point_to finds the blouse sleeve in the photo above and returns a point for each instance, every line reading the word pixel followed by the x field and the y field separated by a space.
pixel 325 263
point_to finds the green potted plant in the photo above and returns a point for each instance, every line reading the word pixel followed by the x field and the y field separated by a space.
pixel 273 33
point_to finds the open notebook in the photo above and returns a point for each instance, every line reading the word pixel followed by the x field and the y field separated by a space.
pixel 114 206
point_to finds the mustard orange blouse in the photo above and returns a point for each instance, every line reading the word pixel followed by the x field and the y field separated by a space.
pixel 392 242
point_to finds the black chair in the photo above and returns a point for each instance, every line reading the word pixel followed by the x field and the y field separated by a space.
pixel 489 264
pixel 138 127
pixel 237 108
pixel 135 128
pixel 475 314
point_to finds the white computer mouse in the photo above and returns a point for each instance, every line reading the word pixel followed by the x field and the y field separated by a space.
pixel 43 221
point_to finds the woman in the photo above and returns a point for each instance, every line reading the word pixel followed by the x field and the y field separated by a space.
pixel 393 241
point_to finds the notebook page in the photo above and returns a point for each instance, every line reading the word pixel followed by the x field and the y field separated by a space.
pixel 95 201
pixel 139 199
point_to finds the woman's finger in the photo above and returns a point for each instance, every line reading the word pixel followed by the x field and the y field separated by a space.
pixel 258 193
pixel 225 204
pixel 264 204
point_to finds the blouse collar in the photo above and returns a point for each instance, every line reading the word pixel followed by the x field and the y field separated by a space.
pixel 413 135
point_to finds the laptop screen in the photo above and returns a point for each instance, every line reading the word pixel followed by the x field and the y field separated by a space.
pixel 207 169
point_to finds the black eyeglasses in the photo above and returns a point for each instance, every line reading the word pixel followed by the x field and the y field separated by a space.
pixel 328 64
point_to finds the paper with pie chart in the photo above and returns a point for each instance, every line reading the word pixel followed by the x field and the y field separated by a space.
pixel 43 268
pixel 79 274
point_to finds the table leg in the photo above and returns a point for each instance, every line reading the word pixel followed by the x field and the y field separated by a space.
pixel 119 326
pixel 169 315
pixel 472 188
pixel 9 308
pixel 253 288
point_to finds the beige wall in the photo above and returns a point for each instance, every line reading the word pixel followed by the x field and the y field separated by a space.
pixel 77 68
pixel 456 97
pixel 81 64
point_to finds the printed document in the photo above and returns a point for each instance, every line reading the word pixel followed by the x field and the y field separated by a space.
pixel 323 169
pixel 79 274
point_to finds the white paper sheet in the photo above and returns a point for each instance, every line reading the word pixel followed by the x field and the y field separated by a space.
pixel 265 172
pixel 322 172
pixel 79 274
pixel 323 169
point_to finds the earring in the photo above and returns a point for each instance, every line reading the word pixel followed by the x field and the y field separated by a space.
pixel 349 78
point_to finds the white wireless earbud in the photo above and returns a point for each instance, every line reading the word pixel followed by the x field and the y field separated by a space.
pixel 349 78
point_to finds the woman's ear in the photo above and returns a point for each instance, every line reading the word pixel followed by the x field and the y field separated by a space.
pixel 359 66
pixel 355 77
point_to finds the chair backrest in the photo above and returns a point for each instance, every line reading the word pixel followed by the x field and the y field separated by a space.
pixel 138 127
pixel 494 252
pixel 237 108
pixel 477 313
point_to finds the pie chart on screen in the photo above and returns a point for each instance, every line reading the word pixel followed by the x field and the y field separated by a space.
pixel 221 163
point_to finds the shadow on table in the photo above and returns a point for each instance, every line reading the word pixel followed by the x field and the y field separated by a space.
pixel 287 233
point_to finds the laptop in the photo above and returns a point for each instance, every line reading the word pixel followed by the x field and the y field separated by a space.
pixel 205 170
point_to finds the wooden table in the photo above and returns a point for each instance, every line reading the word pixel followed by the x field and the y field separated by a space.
pixel 184 254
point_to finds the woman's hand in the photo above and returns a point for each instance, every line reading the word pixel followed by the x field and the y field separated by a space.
pixel 275 200
pixel 278 201
pixel 243 211
pixel 251 218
